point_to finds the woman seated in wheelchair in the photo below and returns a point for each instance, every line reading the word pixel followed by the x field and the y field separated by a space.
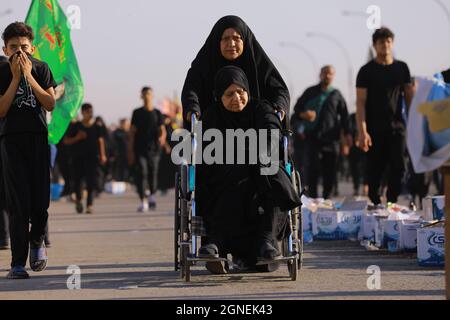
pixel 244 211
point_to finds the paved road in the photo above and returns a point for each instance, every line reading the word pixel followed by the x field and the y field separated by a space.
pixel 123 254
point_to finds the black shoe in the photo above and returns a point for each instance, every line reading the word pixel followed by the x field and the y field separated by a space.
pixel 152 205
pixel 217 267
pixel 271 267
pixel 4 246
pixel 79 207
pixel 38 257
pixel 243 265
pixel 209 250
pixel 18 272
pixel 268 251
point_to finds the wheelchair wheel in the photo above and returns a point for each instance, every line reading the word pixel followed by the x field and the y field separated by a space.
pixel 293 263
pixel 298 187
pixel 185 264
pixel 177 223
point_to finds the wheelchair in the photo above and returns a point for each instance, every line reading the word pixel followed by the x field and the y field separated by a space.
pixel 188 227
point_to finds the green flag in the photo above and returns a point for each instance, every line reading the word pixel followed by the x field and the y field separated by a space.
pixel 53 46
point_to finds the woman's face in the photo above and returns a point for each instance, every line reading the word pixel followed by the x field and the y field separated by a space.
pixel 231 44
pixel 235 98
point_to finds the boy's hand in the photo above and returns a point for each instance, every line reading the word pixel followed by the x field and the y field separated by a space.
pixel 25 64
pixel 15 67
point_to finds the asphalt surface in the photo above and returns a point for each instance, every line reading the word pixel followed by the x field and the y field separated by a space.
pixel 122 254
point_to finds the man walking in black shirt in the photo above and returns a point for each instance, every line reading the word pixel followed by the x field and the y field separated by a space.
pixel 320 120
pixel 87 144
pixel 381 86
pixel 147 135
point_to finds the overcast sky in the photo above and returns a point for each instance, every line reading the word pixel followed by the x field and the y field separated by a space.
pixel 123 45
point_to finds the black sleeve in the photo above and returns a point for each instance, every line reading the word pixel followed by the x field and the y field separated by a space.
pixel 446 75
pixel 134 118
pixel 160 118
pixel 73 130
pixel 46 79
pixel 343 114
pixel 278 92
pixel 5 80
pixel 301 102
pixel 362 80
pixel 101 132
pixel 407 75
pixel 190 96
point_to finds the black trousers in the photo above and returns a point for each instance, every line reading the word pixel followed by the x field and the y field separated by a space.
pixel 386 156
pixel 26 173
pixel 147 172
pixel 357 163
pixel 85 169
pixel 4 235
pixel 319 161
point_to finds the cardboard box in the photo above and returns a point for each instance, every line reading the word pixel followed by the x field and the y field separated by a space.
pixel 349 224
pixel 325 224
pixel 336 225
pixel 409 234
pixel 307 225
pixel 431 245
pixel 115 187
pixel 392 237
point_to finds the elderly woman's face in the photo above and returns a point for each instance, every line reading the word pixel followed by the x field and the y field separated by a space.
pixel 235 98
pixel 231 44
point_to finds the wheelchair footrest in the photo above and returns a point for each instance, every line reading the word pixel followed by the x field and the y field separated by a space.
pixel 262 262
pixel 198 259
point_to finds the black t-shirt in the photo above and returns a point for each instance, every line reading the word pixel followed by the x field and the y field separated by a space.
pixel 87 148
pixel 147 124
pixel 26 113
pixel 385 89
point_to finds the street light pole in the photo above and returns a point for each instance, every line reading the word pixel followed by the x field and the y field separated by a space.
pixel 294 45
pixel 346 55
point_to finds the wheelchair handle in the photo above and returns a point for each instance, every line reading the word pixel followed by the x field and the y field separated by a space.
pixel 194 121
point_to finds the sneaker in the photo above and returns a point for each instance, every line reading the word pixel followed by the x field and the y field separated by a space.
pixel 374 207
pixel 143 207
pixel 79 207
pixel 151 203
pixel 18 272
pixel 38 257
pixel 90 210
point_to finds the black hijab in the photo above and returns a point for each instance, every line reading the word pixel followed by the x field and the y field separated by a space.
pixel 218 116
pixel 265 82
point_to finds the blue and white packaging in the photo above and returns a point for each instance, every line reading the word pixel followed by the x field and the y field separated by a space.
pixel 438 207
pixel 392 238
pixel 349 224
pixel 372 228
pixel 325 224
pixel 116 187
pixel 431 245
pixel 307 225
pixel 409 234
